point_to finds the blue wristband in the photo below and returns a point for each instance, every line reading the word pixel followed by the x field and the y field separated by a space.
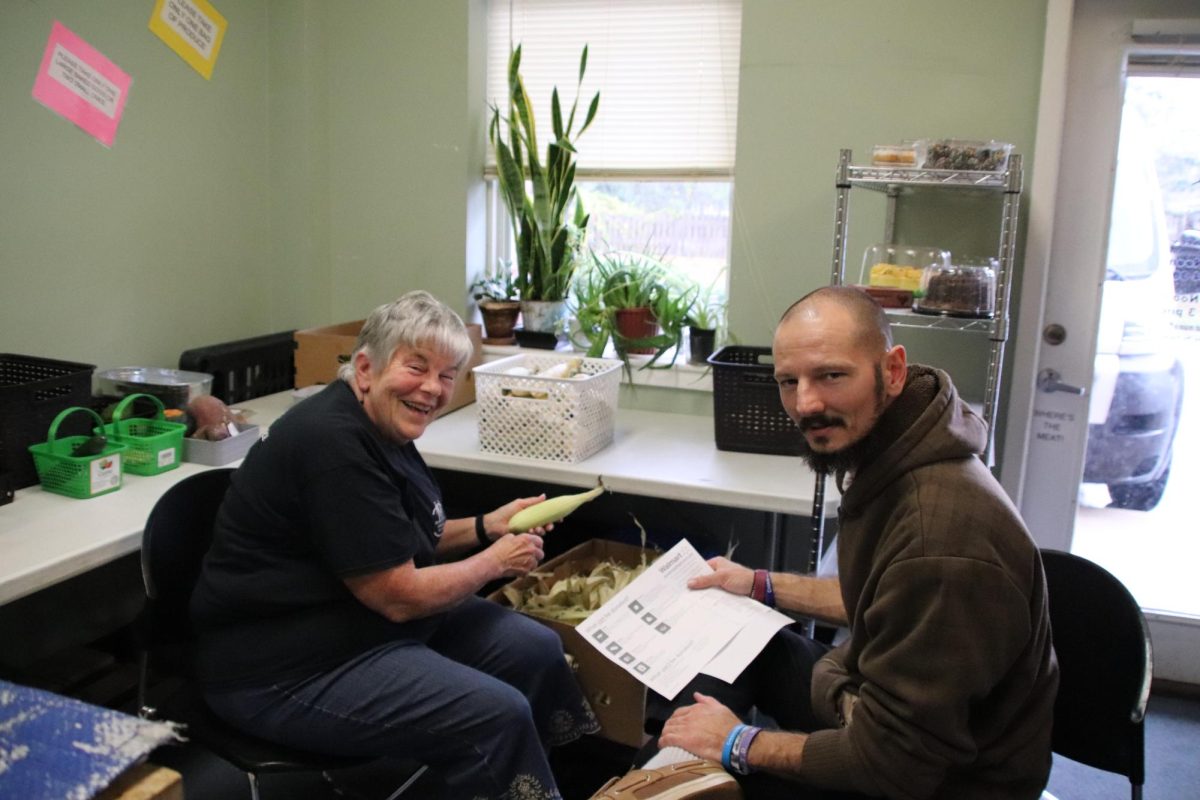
pixel 728 749
pixel 739 757
pixel 769 593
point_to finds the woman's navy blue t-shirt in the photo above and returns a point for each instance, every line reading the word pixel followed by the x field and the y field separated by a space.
pixel 324 497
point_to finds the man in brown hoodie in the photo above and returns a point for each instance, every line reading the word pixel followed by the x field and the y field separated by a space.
pixel 946 685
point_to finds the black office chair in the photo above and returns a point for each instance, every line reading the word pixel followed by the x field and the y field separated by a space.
pixel 1104 657
pixel 176 537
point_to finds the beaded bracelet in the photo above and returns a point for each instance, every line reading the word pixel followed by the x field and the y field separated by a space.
pixel 727 751
pixel 481 532
pixel 758 588
pixel 741 751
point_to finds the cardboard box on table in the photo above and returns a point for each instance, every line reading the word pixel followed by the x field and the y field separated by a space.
pixel 320 351
pixel 618 698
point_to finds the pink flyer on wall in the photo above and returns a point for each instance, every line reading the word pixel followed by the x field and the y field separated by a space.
pixel 82 85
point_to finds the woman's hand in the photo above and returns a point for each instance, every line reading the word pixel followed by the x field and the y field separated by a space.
pixel 700 729
pixel 496 522
pixel 733 578
pixel 516 553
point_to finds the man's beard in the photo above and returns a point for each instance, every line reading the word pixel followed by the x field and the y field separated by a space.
pixel 849 457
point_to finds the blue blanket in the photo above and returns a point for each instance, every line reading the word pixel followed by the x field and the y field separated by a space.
pixel 56 748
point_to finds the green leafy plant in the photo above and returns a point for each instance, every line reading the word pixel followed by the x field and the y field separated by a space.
pixel 547 216
pixel 497 285
pixel 708 311
pixel 618 280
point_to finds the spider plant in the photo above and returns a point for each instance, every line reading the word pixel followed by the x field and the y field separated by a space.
pixel 617 280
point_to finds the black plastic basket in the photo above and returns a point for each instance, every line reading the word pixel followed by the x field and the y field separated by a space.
pixel 246 368
pixel 747 414
pixel 33 391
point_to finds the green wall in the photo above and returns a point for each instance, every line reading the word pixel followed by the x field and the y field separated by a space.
pixel 817 77
pixel 334 160
pixel 131 255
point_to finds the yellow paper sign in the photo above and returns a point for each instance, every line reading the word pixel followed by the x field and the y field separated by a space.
pixel 192 28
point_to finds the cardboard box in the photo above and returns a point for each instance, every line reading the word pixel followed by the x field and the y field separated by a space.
pixel 145 781
pixel 320 351
pixel 618 698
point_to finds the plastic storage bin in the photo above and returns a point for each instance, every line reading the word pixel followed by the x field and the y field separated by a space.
pixel 78 476
pixel 224 451
pixel 246 368
pixel 747 414
pixel 33 391
pixel 153 446
pixel 553 419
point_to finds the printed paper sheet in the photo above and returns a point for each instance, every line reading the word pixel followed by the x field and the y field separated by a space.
pixel 664 633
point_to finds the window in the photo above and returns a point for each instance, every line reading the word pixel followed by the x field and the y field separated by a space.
pixel 655 169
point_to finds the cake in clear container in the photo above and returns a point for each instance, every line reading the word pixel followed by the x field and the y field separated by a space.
pixel 899 266
pixel 965 289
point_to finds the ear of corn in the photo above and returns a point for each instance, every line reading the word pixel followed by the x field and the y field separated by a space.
pixel 551 510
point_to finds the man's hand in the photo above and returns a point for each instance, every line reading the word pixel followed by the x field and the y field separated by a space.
pixel 733 578
pixel 701 729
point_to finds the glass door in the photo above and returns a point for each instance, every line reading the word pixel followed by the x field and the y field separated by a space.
pixel 1111 429
pixel 1136 514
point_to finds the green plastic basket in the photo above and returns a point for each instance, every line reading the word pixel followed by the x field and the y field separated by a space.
pixel 77 476
pixel 153 445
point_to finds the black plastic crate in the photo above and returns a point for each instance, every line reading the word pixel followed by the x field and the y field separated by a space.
pixel 32 392
pixel 747 414
pixel 246 368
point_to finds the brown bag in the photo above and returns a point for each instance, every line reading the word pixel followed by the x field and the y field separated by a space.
pixel 686 780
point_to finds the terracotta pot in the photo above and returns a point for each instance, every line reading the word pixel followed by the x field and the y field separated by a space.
pixel 499 319
pixel 637 323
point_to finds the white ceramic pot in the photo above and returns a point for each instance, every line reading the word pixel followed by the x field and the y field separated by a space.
pixel 542 316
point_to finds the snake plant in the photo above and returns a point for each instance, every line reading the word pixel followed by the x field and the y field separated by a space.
pixel 547 216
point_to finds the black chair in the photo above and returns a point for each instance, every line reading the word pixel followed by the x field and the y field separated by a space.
pixel 177 535
pixel 1104 656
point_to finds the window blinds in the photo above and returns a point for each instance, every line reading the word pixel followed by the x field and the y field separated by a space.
pixel 666 70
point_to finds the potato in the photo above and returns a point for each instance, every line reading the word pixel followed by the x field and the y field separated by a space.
pixel 212 418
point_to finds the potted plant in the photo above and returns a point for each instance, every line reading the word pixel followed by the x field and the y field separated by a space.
pixel 499 302
pixel 635 300
pixel 547 216
pixel 705 319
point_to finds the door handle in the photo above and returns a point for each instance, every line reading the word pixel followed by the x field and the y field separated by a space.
pixel 1049 381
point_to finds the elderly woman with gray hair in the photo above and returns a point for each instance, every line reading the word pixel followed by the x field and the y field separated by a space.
pixel 337 609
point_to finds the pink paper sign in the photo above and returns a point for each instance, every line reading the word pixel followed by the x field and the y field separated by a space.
pixel 81 84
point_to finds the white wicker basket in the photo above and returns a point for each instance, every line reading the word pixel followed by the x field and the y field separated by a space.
pixel 553 419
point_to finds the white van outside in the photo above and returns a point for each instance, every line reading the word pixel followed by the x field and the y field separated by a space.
pixel 1137 388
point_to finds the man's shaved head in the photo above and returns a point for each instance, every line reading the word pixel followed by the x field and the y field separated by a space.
pixel 874 330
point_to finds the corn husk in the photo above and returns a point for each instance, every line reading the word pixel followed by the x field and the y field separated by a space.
pixel 573 598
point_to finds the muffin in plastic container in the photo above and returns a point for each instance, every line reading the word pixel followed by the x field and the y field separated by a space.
pixel 966 154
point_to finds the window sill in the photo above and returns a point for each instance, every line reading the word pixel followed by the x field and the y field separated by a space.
pixel 682 375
